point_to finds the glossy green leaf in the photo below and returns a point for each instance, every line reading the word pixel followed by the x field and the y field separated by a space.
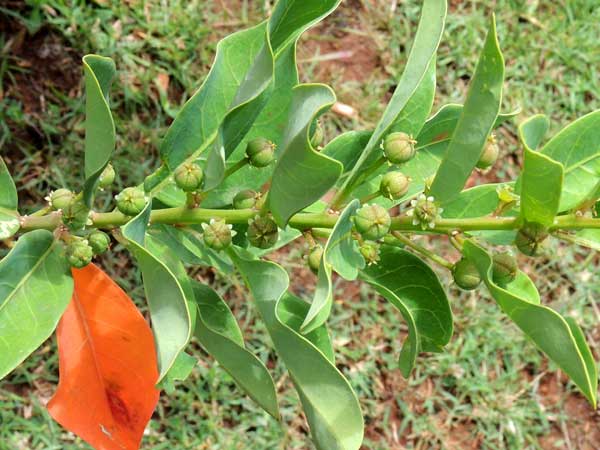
pixel 218 332
pixel 340 254
pixel 542 177
pixel 560 341
pixel 477 201
pixel 347 148
pixel 414 289
pixel 427 38
pixel 475 123
pixel 35 289
pixel 100 136
pixel 577 148
pixel 331 407
pixel 302 175
pixel 9 217
pixel 171 319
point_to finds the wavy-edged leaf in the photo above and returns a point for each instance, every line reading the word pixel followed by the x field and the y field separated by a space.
pixel 422 53
pixel 100 135
pixel 331 407
pixel 562 342
pixel 542 177
pixel 577 148
pixel 35 289
pixel 302 175
pixel 218 332
pixel 476 121
pixel 340 254
pixel 9 217
pixel 106 392
pixel 414 289
pixel 171 319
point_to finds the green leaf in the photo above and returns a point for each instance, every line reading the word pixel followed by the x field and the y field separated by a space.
pixel 475 124
pixel 181 369
pixel 340 254
pixel 302 175
pixel 35 289
pixel 560 341
pixel 477 201
pixel 331 407
pixel 347 147
pixel 218 332
pixel 100 136
pixel 171 318
pixel 542 177
pixel 577 148
pixel 9 217
pixel 414 289
pixel 422 55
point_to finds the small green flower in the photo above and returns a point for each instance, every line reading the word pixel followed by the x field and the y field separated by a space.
pixel 530 238
pixel 394 185
pixel 245 199
pixel 260 152
pixel 99 241
pixel 188 177
pixel 370 251
pixel 79 253
pixel 398 147
pixel 314 258
pixel 372 222
pixel 262 232
pixel 60 199
pixel 504 268
pixel 107 177
pixel 489 156
pixel 218 234
pixel 131 201
pixel 424 211
pixel 465 274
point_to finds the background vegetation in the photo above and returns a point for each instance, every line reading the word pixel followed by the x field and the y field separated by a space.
pixel 490 390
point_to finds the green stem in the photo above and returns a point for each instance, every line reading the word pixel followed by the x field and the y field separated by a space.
pixel 368 198
pixel 422 250
pixel 341 195
pixel 237 166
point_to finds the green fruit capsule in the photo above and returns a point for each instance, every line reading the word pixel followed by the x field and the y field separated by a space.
pixel 188 177
pixel 489 156
pixel 99 241
pixel 504 268
pixel 370 251
pixel 107 177
pixel 245 199
pixel 314 258
pixel 394 185
pixel 372 222
pixel 465 274
pixel 79 253
pixel 260 152
pixel 530 238
pixel 131 201
pixel 318 135
pixel 75 214
pixel 60 199
pixel 399 147
pixel 262 232
pixel 217 234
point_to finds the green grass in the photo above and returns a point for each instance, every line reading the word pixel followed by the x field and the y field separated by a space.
pixel 491 387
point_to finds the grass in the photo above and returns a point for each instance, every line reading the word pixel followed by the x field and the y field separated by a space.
pixel 491 389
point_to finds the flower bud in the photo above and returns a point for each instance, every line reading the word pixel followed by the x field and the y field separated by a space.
pixel 399 147
pixel 107 177
pixel 317 136
pixel 394 185
pixel 131 201
pixel 372 222
pixel 260 152
pixel 370 251
pixel 60 199
pixel 424 211
pixel 188 177
pixel 490 154
pixel 262 232
pixel 79 253
pixel 217 234
pixel 244 199
pixel 504 268
pixel 75 214
pixel 98 241
pixel 314 258
pixel 465 274
pixel 530 238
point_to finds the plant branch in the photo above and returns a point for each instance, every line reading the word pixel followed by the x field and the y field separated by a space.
pixel 422 250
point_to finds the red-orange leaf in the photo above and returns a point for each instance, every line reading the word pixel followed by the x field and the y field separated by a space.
pixel 106 393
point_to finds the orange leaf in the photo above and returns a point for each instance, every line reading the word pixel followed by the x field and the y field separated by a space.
pixel 106 392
